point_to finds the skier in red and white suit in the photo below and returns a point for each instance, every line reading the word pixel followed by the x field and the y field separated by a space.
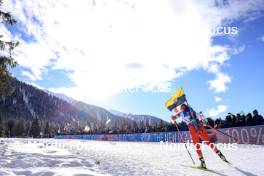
pixel 197 131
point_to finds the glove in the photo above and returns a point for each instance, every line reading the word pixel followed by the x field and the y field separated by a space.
pixel 205 121
pixel 173 118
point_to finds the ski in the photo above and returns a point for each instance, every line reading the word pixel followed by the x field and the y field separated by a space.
pixel 230 164
pixel 227 162
pixel 200 168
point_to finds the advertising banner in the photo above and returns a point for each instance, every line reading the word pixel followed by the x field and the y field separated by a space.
pixel 244 135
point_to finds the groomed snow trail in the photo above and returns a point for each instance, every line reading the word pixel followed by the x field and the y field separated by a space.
pixel 48 157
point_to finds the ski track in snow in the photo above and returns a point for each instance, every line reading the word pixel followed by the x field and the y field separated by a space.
pixel 48 157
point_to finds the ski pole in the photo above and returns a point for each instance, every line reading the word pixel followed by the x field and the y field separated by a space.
pixel 184 142
pixel 208 125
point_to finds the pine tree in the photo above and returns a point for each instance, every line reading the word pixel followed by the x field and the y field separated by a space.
pixel 160 126
pixel 20 128
pixel 141 127
pixel 35 128
pixel 147 126
pixel 27 128
pixel 10 127
pixel 47 130
pixel 1 127
pixel 135 127
pixel 6 59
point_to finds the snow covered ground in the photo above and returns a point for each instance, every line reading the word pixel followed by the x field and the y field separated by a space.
pixel 49 157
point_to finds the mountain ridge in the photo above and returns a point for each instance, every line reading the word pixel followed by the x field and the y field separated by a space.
pixel 29 102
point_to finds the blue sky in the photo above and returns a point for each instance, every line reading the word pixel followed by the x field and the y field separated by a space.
pixel 92 50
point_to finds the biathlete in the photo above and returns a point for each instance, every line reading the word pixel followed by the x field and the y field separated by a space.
pixel 197 131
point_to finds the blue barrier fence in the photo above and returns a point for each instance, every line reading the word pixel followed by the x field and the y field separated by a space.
pixel 245 135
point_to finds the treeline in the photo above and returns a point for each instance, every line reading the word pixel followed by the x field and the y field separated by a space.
pixel 38 128
pixel 130 128
pixel 26 128
pixel 231 120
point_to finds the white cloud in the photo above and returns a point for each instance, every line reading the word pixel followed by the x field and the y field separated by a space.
pixel 239 49
pixel 78 93
pixel 218 99
pixel 97 40
pixel 214 112
pixel 219 84
pixel 221 81
pixel 29 75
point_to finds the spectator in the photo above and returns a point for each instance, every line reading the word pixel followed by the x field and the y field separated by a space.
pixel 217 124
pixel 234 120
pixel 249 119
pixel 238 120
pixel 210 121
pixel 257 119
pixel 241 119
pixel 228 121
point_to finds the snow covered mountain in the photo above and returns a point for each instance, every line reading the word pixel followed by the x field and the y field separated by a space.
pixel 63 97
pixel 28 102
pixel 113 116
